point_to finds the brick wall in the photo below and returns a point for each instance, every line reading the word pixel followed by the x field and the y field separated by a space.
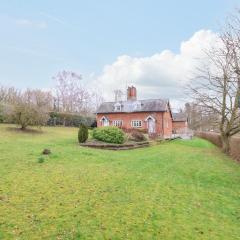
pixel 167 124
pixel 163 120
pixel 179 126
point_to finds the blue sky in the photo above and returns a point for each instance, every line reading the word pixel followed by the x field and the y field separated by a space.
pixel 40 38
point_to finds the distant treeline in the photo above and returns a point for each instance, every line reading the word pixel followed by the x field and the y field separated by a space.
pixel 63 119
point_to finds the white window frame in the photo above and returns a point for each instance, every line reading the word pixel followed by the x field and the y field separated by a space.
pixel 136 123
pixel 117 107
pixel 137 105
pixel 117 123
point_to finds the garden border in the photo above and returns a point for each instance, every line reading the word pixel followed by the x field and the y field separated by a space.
pixel 110 146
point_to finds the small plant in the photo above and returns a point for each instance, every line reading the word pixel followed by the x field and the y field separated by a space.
pixel 109 134
pixel 82 133
pixel 41 159
pixel 137 136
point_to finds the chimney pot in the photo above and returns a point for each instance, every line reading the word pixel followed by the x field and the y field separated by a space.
pixel 131 93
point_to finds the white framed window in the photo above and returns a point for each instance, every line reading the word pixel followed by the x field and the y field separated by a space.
pixel 136 123
pixel 137 105
pixel 117 123
pixel 117 107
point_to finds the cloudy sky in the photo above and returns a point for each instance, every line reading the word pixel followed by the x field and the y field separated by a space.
pixel 153 44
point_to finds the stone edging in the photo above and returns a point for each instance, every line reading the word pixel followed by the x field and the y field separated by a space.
pixel 110 146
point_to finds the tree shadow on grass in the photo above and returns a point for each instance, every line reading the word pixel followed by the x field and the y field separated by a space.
pixel 27 130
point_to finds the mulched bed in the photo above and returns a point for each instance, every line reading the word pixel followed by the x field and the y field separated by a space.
pixel 111 146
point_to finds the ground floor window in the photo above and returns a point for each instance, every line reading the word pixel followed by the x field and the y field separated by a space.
pixel 136 123
pixel 117 123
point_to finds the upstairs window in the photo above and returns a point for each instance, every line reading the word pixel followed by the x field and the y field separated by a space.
pixel 117 107
pixel 136 123
pixel 117 123
pixel 137 106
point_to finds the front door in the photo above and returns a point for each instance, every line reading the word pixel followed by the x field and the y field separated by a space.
pixel 105 122
pixel 151 126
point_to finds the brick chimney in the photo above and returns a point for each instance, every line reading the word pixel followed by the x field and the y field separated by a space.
pixel 131 93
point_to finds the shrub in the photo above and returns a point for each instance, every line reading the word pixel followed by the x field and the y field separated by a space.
pixel 82 133
pixel 109 134
pixel 137 136
pixel 41 159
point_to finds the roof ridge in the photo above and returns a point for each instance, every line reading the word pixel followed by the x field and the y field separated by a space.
pixel 151 99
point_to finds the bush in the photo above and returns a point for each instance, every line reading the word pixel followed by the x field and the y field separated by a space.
pixel 137 136
pixel 109 134
pixel 82 133
pixel 70 120
pixel 41 159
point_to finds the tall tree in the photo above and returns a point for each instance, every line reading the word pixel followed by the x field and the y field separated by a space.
pixel 217 86
pixel 71 96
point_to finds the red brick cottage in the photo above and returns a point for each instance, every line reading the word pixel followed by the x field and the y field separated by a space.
pixel 180 124
pixel 152 115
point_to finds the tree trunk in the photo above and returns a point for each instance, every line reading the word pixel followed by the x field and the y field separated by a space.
pixel 225 144
pixel 23 127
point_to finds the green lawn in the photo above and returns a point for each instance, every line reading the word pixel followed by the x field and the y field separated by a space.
pixel 175 190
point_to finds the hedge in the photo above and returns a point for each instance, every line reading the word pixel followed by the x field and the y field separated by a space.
pixel 216 140
pixel 70 120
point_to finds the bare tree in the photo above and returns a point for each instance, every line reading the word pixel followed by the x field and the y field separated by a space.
pixel 8 97
pixel 217 86
pixel 30 108
pixel 118 95
pixel 96 99
pixel 9 94
pixel 199 118
pixel 71 96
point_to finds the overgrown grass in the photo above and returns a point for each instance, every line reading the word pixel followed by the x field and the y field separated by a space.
pixel 175 190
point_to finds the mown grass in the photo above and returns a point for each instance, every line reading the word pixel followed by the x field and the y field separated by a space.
pixel 175 190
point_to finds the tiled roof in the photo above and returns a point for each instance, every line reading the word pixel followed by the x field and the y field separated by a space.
pixel 179 117
pixel 150 105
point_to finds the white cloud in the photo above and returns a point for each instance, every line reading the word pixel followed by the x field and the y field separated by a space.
pixel 30 23
pixel 161 75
